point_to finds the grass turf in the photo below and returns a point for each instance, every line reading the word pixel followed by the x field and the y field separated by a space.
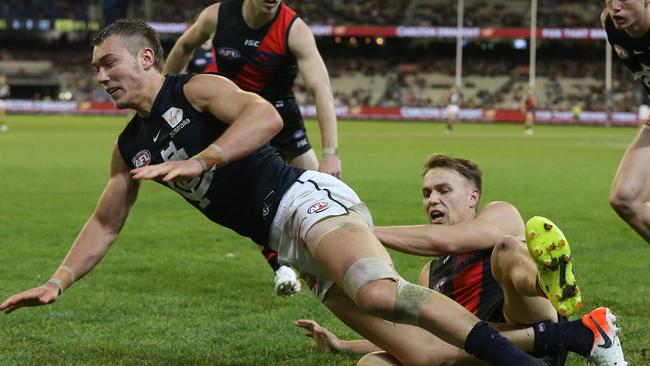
pixel 178 290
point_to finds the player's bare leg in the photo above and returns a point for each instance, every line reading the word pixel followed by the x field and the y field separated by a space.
pixel 528 123
pixel 3 125
pixel 423 348
pixel 352 252
pixel 450 123
pixel 516 273
pixel 631 185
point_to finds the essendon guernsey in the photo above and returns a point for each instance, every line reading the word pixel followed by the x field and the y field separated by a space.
pixel 467 279
pixel 257 60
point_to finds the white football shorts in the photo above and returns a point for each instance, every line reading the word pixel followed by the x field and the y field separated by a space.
pixel 314 197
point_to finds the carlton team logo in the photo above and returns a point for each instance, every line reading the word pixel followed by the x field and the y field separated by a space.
pixel 318 207
pixel 141 159
pixel 173 116
pixel 621 52
pixel 228 53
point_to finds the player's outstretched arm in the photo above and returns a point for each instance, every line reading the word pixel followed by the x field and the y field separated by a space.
pixel 314 73
pixel 93 241
pixel 194 36
pixel 494 221
pixel 327 341
pixel 253 122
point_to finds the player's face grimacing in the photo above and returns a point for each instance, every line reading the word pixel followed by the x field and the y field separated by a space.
pixel 118 71
pixel 448 197
pixel 626 13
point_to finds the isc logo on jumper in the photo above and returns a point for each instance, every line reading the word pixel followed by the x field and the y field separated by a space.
pixel 251 43
pixel 141 159
pixel 173 116
pixel 317 207
pixel 228 53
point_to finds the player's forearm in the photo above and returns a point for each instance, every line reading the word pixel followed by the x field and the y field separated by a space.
pixel 253 128
pixel 417 240
pixel 326 116
pixel 88 249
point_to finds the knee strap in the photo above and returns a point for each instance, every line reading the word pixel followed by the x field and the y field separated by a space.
pixel 364 270
pixel 409 300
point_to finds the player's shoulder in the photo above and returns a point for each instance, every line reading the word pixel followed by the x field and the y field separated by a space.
pixel 204 81
pixel 503 215
pixel 500 208
pixel 202 87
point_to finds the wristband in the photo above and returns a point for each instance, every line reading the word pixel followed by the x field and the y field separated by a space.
pixel 56 282
pixel 220 153
pixel 204 155
pixel 330 151
pixel 63 278
pixel 201 160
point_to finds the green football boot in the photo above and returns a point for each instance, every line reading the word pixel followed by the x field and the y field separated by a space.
pixel 551 253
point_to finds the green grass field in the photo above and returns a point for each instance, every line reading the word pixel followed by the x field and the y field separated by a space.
pixel 178 290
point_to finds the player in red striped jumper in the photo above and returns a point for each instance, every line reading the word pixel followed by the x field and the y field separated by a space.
pixel 484 265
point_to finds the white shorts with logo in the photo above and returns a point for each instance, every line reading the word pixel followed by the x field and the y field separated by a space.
pixel 314 197
pixel 453 109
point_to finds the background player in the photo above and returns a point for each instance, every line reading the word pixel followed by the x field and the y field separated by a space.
pixel 528 104
pixel 627 24
pixel 453 107
pixel 260 45
pixel 4 93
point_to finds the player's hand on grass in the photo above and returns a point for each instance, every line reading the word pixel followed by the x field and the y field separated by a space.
pixel 42 295
pixel 169 170
pixel 331 164
pixel 325 340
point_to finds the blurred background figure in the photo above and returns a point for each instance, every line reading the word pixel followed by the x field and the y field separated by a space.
pixel 453 107
pixel 4 93
pixel 528 104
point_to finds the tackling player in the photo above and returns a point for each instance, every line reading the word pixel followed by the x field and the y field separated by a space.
pixel 484 266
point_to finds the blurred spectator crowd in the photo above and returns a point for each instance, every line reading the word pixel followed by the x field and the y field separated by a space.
pixel 477 13
pixel 491 79
pixel 488 82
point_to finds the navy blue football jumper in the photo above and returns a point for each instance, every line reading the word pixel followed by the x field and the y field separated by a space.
pixel 242 195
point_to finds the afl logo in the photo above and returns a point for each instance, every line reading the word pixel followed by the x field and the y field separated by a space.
pixel 317 207
pixel 228 53
pixel 142 158
pixel 621 52
pixel 438 287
